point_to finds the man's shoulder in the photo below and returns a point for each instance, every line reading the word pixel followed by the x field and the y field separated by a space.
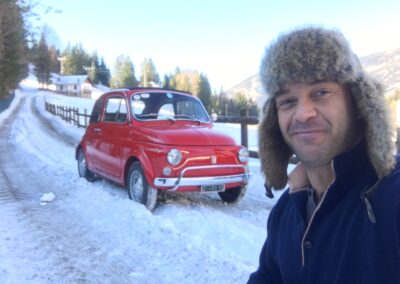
pixel 392 181
pixel 283 199
pixel 387 196
pixel 284 203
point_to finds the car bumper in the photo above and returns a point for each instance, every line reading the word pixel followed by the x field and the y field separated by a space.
pixel 176 182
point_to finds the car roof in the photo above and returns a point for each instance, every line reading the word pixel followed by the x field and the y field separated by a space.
pixel 141 89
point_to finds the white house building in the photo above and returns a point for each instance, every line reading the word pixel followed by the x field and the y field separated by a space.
pixel 73 85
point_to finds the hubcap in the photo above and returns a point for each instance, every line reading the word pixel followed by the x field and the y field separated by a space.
pixel 82 164
pixel 136 186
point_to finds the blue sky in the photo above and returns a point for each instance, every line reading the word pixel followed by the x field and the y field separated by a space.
pixel 223 39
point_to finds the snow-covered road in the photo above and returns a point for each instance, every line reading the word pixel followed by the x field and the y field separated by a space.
pixel 92 232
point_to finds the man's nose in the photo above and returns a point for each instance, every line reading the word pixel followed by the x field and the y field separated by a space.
pixel 305 110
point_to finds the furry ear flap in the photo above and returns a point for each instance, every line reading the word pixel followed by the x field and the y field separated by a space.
pixel 378 129
pixel 273 150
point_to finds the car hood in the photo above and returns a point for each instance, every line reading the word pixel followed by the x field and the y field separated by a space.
pixel 185 135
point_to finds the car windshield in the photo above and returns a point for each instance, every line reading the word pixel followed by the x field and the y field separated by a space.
pixel 167 106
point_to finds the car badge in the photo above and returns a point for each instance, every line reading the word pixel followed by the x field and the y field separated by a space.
pixel 213 159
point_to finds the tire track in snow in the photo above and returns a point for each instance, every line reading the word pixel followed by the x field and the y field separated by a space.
pixel 49 128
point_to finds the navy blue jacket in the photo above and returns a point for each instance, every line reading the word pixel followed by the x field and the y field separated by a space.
pixel 343 243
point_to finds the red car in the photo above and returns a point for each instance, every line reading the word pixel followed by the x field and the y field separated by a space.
pixel 151 140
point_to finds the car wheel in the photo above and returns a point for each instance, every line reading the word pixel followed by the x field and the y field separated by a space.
pixel 82 167
pixel 139 189
pixel 233 195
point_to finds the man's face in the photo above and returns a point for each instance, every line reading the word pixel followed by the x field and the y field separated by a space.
pixel 318 121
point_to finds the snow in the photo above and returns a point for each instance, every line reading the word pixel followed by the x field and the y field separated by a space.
pixel 91 232
pixel 47 197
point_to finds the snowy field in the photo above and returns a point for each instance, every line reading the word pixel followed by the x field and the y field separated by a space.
pixel 59 228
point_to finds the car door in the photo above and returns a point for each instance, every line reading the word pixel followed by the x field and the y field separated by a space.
pixel 92 133
pixel 111 135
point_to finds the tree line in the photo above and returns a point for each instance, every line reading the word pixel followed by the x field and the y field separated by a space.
pixel 13 45
pixel 15 54
pixel 75 60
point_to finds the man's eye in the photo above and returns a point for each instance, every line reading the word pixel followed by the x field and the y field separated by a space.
pixel 321 93
pixel 285 103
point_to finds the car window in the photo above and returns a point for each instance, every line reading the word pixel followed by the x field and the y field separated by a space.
pixel 167 105
pixel 189 108
pixel 137 107
pixel 96 112
pixel 116 110
pixel 167 109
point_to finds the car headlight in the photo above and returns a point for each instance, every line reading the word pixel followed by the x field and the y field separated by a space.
pixel 174 157
pixel 243 155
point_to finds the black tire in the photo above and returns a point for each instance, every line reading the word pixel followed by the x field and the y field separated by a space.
pixel 233 195
pixel 139 189
pixel 82 167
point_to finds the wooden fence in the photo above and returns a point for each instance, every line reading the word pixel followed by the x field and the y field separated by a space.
pixel 244 121
pixel 69 114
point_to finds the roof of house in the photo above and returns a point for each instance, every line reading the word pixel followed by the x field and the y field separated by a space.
pixel 69 79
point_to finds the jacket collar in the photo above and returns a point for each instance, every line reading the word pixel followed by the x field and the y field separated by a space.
pixel 352 170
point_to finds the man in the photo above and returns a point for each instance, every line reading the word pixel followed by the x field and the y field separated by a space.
pixel 339 221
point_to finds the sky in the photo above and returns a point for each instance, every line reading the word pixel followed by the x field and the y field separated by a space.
pixel 224 39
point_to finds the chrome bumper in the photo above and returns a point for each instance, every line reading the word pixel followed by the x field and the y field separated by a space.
pixel 199 181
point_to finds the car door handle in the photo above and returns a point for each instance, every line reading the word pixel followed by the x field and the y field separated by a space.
pixel 97 130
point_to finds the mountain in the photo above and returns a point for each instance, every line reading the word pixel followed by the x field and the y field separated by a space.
pixel 383 66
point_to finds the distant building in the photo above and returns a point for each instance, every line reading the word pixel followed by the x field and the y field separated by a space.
pixel 73 85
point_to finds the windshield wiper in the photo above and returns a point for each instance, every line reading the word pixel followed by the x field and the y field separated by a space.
pixel 187 117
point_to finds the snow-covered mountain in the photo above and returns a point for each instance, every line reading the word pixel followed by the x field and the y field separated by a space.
pixel 383 66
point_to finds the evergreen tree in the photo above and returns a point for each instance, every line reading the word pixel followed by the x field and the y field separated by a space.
pixel 214 101
pixel 103 73
pixel 204 91
pixel 240 100
pixel 13 46
pixel 149 73
pixel 41 60
pixel 223 103
pixel 76 60
pixel 124 75
pixel 54 55
pixel 166 82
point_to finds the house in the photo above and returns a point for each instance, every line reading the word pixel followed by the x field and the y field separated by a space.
pixel 73 85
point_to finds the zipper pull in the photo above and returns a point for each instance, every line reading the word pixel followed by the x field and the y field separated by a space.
pixel 370 211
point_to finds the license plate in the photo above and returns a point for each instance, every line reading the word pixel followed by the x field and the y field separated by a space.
pixel 209 188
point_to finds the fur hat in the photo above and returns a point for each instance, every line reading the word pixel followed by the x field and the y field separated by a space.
pixel 314 54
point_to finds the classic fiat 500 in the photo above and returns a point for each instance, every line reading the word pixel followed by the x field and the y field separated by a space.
pixel 151 140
